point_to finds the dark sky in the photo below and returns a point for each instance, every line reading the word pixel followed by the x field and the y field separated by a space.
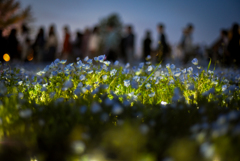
pixel 208 16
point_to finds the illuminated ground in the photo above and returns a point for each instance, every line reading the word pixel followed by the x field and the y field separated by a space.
pixel 97 110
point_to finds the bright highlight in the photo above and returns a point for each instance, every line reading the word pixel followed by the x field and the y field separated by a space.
pixel 6 57
pixel 30 57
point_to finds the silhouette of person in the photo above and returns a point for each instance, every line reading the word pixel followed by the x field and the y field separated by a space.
pixel 39 45
pixel 85 42
pixel 77 45
pixel 23 42
pixel 122 54
pixel 219 48
pixel 147 42
pixel 94 42
pixel 66 51
pixel 13 45
pixel 52 43
pixel 129 44
pixel 187 43
pixel 163 49
pixel 234 45
pixel 112 43
pixel 3 42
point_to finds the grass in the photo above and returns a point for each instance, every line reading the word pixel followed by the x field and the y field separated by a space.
pixel 96 110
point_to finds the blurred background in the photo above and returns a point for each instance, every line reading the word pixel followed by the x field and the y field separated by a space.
pixel 208 18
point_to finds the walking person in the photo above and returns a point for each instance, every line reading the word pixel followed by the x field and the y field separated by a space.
pixel 39 45
pixel 163 51
pixel 147 42
pixel 218 51
pixel 187 44
pixel 129 44
pixel 85 42
pixel 24 42
pixel 51 45
pixel 66 51
pixel 234 45
pixel 13 47
pixel 122 55
pixel 94 43
pixel 76 46
pixel 112 43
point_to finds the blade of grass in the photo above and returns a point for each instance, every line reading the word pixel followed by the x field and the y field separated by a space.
pixel 209 64
pixel 148 77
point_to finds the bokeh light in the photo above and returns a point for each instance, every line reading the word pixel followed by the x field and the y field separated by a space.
pixel 6 57
pixel 30 57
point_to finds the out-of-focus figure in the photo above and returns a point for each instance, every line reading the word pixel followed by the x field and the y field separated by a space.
pixel 24 42
pixel 147 42
pixel 52 43
pixel 234 44
pixel 163 50
pixel 85 42
pixel 122 54
pixel 39 45
pixel 77 44
pixel 111 43
pixel 13 48
pixel 94 43
pixel 129 44
pixel 3 44
pixel 186 44
pixel 218 51
pixel 66 50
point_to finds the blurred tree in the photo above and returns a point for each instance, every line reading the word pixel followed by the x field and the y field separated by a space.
pixel 115 21
pixel 10 13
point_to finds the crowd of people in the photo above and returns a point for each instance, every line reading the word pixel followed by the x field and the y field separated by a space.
pixel 91 43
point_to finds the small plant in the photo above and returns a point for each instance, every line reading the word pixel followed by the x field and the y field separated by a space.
pixel 105 111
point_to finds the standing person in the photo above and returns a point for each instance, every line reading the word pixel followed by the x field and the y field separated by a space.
pixel 52 43
pixel 39 45
pixel 147 45
pixel 24 42
pixel 2 45
pixel 163 48
pixel 94 42
pixel 112 43
pixel 77 52
pixel 234 45
pixel 187 43
pixel 85 42
pixel 129 44
pixel 122 54
pixel 66 51
pixel 13 47
pixel 219 48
